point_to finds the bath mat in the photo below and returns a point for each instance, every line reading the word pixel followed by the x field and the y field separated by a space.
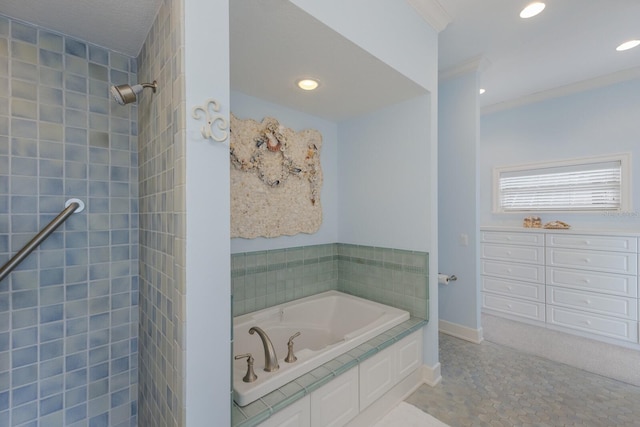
pixel 407 415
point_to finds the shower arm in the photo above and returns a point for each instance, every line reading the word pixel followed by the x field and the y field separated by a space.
pixel 153 85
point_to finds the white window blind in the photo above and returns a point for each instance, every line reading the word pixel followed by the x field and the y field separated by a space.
pixel 588 186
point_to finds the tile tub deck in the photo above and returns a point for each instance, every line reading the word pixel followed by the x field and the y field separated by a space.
pixel 258 411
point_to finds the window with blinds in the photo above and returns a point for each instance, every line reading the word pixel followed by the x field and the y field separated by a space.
pixel 584 185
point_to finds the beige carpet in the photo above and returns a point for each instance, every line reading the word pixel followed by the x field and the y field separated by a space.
pixel 407 415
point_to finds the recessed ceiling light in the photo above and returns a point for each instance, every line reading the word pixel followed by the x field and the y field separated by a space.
pixel 307 84
pixel 482 91
pixel 628 45
pixel 532 9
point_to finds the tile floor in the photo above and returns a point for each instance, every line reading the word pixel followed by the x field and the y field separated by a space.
pixel 491 385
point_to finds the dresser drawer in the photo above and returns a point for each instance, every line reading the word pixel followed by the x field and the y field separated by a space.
pixel 603 243
pixel 528 272
pixel 528 254
pixel 529 239
pixel 521 308
pixel 526 290
pixel 611 262
pixel 626 330
pixel 608 305
pixel 607 283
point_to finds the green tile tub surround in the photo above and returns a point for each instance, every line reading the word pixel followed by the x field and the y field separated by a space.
pixel 267 278
pixel 395 277
pixel 258 411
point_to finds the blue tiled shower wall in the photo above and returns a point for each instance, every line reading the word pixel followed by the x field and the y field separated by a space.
pixel 395 277
pixel 69 312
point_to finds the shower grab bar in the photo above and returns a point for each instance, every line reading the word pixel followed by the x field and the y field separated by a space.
pixel 71 206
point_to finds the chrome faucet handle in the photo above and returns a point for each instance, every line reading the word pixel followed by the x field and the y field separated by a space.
pixel 290 356
pixel 250 376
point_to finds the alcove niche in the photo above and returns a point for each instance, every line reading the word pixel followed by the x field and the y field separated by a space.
pixel 273 44
pixel 378 140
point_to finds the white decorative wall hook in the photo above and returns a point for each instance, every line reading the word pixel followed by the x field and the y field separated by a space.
pixel 212 118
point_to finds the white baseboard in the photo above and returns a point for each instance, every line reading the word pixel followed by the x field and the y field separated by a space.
pixel 601 358
pixel 431 374
pixel 459 331
pixel 389 400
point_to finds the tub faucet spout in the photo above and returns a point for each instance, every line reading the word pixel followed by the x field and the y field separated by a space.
pixel 270 358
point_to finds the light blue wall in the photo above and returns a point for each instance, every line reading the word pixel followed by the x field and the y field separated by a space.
pixel 595 122
pixel 392 31
pixel 458 122
pixel 207 266
pixel 248 107
pixel 384 177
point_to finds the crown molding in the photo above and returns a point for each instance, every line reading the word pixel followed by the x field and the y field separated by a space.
pixel 477 64
pixel 432 12
pixel 594 83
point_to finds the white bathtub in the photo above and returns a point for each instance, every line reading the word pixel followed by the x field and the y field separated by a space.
pixel 330 323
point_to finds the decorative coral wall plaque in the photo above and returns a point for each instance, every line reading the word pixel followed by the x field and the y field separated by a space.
pixel 276 179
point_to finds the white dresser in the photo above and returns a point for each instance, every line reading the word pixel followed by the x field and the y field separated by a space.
pixel 579 282
pixel 512 274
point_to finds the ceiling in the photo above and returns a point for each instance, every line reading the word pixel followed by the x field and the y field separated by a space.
pixel 298 46
pixel 571 41
pixel 120 25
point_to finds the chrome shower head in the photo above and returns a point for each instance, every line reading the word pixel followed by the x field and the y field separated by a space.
pixel 126 94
